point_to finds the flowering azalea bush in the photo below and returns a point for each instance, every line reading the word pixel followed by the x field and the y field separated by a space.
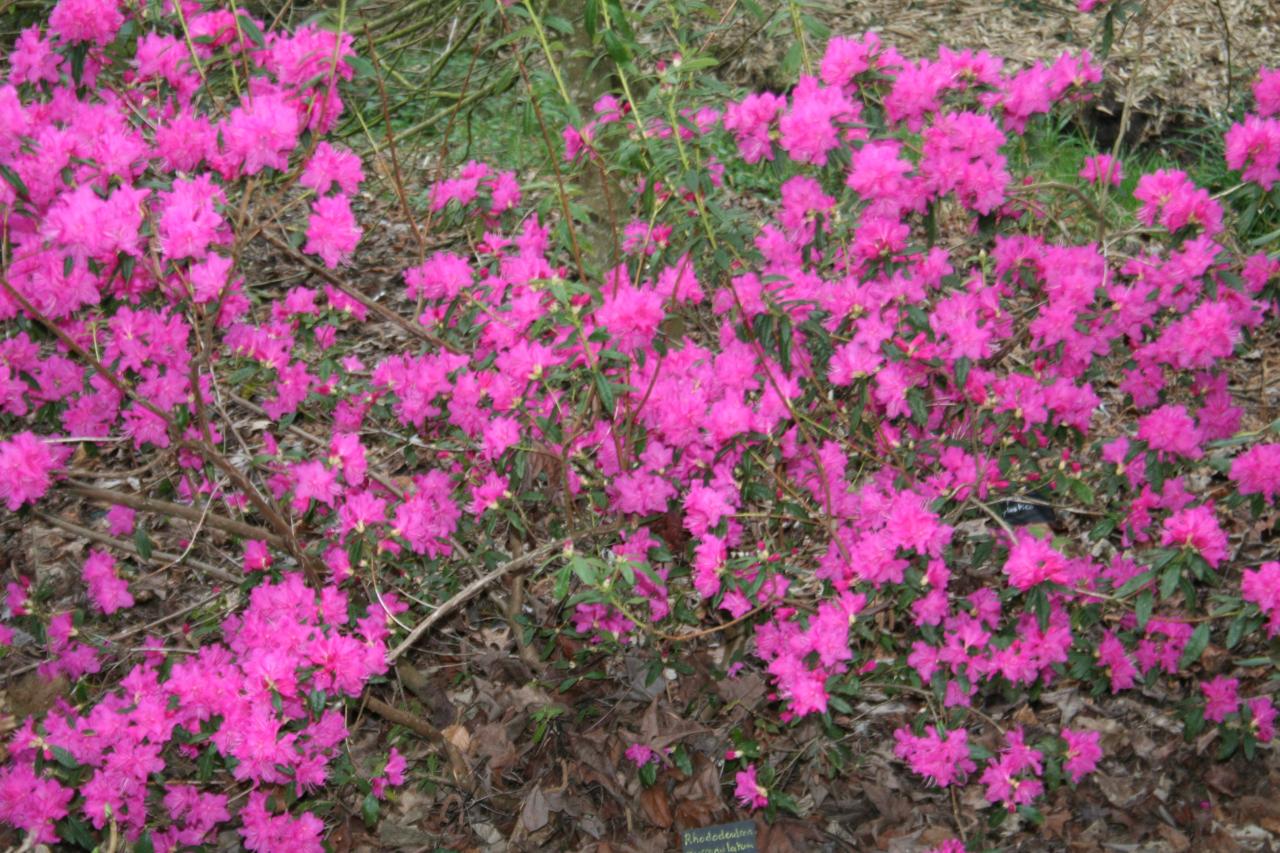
pixel 840 336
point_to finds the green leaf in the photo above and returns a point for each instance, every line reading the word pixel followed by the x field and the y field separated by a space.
pixel 1081 490
pixel 65 758
pixel 585 571
pixel 250 28
pixel 698 63
pixel 1169 581
pixel 1146 602
pixel 605 390
pixel 142 542
pixel 14 180
pixel 362 67
pixel 369 810
pixel 562 583
pixel 1235 631
pixel 1102 529
pixel 615 48
pixel 1196 645
pixel 75 831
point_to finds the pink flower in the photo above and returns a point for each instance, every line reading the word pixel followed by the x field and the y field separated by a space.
pixel 1116 663
pixel 1220 698
pixel 942 759
pixel 632 316
pixel 120 520
pixel 109 592
pixel 1266 91
pixel 1257 471
pixel 95 21
pixel 261 132
pixel 442 276
pixel 639 754
pixel 1082 753
pixel 332 233
pixel 1253 148
pixel 1197 529
pixel 1263 715
pixel 1102 169
pixel 1169 429
pixel 748 790
pixel 750 123
pixel 256 556
pixel 1261 586
pixel 951 845
pixel 32 803
pixel 1169 197
pixel 811 128
pixel 1033 561
pixel 330 165
pixel 314 480
pixel 428 517
pixel 265 832
pixel 33 59
pixel 26 467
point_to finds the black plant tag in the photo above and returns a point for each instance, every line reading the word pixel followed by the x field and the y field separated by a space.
pixel 1020 513
pixel 737 837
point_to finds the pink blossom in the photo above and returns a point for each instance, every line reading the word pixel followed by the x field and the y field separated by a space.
pixel 1263 716
pixel 750 793
pixel 332 232
pixel 1034 561
pixel 1253 149
pixel 1255 472
pixel 108 591
pixel 330 165
pixel 1197 529
pixel 1266 91
pixel 257 557
pixel 1082 753
pixel 32 803
pixel 261 132
pixel 639 754
pixel 263 831
pixel 1262 587
pixel 631 315
pixel 1102 169
pixel 1220 698
pixel 26 468
pixel 33 59
pixel 942 758
pixel 95 21
pixel 1169 429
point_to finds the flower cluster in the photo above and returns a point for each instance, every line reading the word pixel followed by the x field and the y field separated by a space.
pixel 848 371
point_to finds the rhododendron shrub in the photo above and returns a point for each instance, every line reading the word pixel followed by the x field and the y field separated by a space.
pixel 790 414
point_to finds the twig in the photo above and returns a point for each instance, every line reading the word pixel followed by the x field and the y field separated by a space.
pixel 412 722
pixel 157 557
pixel 373 305
pixel 228 525
pixel 472 589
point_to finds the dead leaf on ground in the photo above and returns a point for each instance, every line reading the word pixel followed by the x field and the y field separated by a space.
pixel 656 805
pixel 535 813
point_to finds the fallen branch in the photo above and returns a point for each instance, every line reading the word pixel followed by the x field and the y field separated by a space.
pixel 479 584
pixel 228 525
pixel 161 558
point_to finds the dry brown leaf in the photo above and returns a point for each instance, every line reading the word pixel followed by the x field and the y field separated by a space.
pixel 535 813
pixel 656 805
